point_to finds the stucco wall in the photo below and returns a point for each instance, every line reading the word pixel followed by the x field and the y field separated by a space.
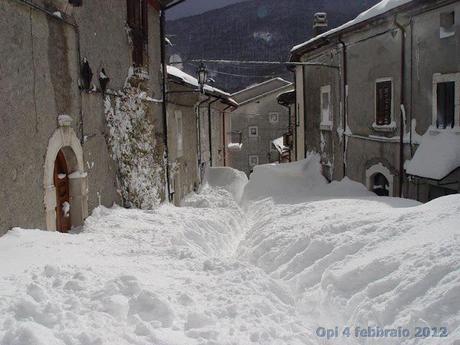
pixel 39 81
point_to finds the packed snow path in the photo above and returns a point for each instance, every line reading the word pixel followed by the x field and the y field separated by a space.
pixel 211 272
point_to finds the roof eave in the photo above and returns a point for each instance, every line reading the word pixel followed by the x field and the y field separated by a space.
pixel 322 41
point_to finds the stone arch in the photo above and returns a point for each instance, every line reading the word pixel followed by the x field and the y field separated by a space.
pixel 65 139
pixel 379 169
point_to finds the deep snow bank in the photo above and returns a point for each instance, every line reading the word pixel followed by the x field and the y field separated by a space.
pixel 368 262
pixel 297 182
pixel 231 180
pixel 133 277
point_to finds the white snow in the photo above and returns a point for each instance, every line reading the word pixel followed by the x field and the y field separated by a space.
pixel 211 273
pixel 380 8
pixel 188 79
pixel 279 144
pixel 235 146
pixel 297 182
pixel 437 156
pixel 229 179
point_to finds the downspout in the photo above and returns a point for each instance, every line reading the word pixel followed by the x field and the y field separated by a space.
pixel 224 134
pixel 198 126
pixel 164 69
pixel 210 130
pixel 344 103
pixel 402 96
pixel 304 95
pixel 293 127
pixel 411 84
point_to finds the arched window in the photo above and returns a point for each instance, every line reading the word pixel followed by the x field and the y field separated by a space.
pixel 380 185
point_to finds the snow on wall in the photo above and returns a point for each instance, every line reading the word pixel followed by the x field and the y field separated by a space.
pixel 437 156
pixel 133 147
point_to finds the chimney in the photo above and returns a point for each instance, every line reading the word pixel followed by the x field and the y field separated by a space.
pixel 320 23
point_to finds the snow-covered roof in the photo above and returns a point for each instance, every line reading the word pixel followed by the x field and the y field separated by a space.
pixel 192 81
pixel 377 10
pixel 257 91
pixel 437 156
pixel 279 144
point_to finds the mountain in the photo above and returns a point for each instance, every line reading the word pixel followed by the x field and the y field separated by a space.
pixel 252 30
pixel 194 7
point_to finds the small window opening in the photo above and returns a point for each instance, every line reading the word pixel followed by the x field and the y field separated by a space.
pixel 447 26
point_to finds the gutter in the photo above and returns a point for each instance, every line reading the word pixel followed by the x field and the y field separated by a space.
pixel 402 101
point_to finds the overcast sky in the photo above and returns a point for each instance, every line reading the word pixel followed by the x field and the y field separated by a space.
pixel 192 7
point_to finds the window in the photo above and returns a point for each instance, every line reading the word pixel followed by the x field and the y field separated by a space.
pixel 445 105
pixel 179 128
pixel 236 137
pixel 137 22
pixel 447 25
pixel 274 117
pixel 383 102
pixel 446 93
pixel 253 160
pixel 253 132
pixel 326 112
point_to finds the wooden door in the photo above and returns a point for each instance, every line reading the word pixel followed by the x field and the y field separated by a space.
pixel 61 182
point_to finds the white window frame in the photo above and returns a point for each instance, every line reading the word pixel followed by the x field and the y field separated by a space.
pixel 274 113
pixel 250 135
pixel 392 126
pixel 326 119
pixel 442 32
pixel 250 157
pixel 179 133
pixel 445 78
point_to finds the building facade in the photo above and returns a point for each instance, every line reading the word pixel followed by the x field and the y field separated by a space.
pixel 193 118
pixel 376 89
pixel 258 121
pixel 71 71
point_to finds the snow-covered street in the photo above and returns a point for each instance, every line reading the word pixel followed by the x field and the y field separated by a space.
pixel 268 264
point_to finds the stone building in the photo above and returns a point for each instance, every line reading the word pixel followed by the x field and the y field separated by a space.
pixel 379 98
pixel 258 121
pixel 190 112
pixel 70 70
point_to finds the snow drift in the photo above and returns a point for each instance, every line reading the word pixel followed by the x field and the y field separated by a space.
pixel 297 182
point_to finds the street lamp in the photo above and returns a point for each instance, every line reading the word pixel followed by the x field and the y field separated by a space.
pixel 202 76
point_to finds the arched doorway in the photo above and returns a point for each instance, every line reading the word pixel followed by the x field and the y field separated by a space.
pixel 61 183
pixel 380 185
pixel 65 181
pixel 379 180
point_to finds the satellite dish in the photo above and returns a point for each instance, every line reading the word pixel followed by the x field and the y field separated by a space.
pixel 176 61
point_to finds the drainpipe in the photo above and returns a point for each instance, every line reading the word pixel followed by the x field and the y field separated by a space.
pixel 210 129
pixel 164 104
pixel 411 84
pixel 345 102
pixel 403 95
pixel 224 134
pixel 198 126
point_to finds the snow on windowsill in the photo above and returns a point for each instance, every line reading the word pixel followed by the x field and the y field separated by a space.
pixel 325 126
pixel 235 146
pixel 384 128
